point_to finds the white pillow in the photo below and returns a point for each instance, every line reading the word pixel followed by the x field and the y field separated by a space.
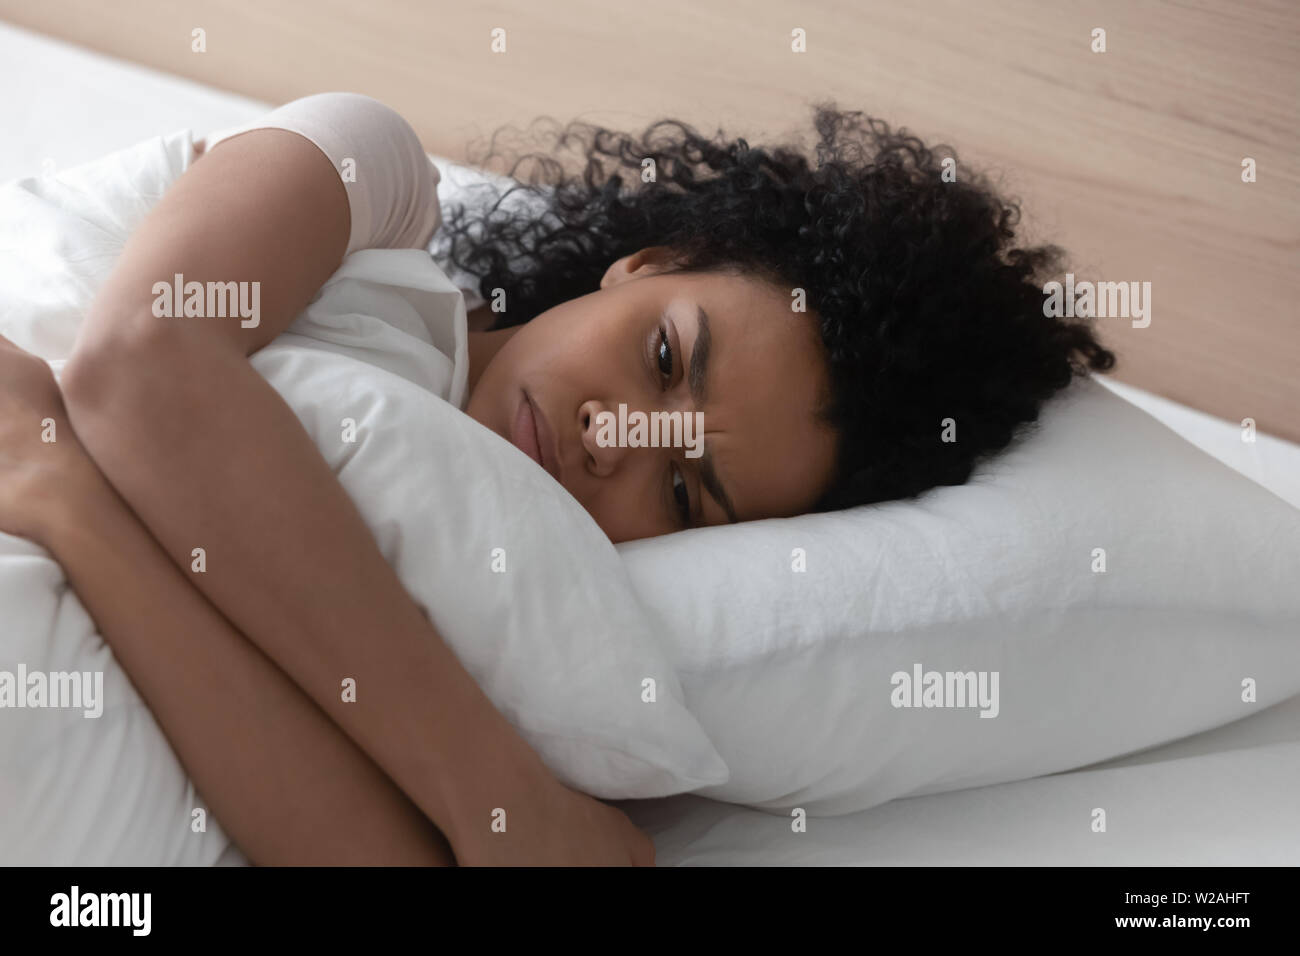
pixel 557 640
pixel 791 672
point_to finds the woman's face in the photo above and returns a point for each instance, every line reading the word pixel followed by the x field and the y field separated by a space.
pixel 726 346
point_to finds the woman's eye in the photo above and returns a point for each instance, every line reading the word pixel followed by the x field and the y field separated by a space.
pixel 665 355
pixel 682 497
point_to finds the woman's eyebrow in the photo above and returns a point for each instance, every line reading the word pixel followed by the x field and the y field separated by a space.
pixel 698 380
pixel 699 370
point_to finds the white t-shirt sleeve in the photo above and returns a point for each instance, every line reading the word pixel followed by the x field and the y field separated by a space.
pixel 392 184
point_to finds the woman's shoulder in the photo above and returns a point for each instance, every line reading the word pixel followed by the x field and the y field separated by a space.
pixel 391 182
pixel 359 121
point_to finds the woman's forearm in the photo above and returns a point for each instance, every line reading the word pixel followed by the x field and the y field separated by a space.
pixel 284 781
pixel 213 458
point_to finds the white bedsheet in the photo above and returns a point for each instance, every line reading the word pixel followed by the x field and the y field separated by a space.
pixel 1223 797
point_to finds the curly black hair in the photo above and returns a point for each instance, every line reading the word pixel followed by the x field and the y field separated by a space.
pixel 927 308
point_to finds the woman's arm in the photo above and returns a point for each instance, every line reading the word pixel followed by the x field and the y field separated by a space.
pixel 288 785
pixel 208 455
pixel 285 782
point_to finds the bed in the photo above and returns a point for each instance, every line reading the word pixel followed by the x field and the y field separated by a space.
pixel 1222 797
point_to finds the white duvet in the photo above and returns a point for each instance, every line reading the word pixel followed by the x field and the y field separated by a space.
pixel 567 658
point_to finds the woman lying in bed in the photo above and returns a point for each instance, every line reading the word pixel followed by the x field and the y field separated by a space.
pixel 825 317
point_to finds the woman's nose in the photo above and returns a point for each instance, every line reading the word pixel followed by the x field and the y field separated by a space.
pixel 600 437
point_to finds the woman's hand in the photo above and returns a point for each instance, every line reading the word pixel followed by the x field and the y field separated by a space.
pixel 553 825
pixel 43 468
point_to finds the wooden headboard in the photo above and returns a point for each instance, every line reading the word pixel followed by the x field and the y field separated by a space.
pixel 1130 158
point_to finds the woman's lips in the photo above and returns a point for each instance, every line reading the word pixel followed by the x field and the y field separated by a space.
pixel 530 433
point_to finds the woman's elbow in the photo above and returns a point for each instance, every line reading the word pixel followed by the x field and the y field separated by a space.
pixel 95 370
pixel 116 382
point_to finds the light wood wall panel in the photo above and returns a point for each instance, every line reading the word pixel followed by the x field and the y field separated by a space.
pixel 1130 158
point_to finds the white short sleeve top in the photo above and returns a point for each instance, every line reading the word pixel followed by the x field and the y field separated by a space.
pixel 391 183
